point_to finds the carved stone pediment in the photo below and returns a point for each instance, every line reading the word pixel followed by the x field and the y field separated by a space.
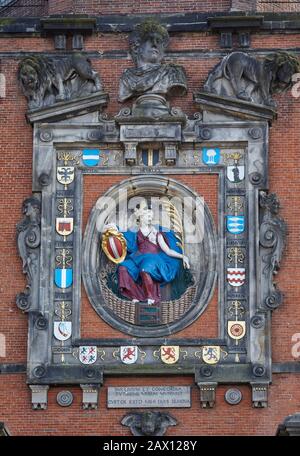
pixel 232 108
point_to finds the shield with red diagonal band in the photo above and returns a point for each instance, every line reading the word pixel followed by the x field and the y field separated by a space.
pixel 236 276
pixel 114 245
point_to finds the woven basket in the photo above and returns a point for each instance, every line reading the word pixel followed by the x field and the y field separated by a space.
pixel 170 310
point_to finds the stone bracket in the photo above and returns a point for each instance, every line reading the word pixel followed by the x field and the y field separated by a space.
pixel 39 396
pixel 207 394
pixel 90 395
pixel 259 395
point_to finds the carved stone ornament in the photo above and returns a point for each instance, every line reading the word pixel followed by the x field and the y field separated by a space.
pixel 29 239
pixel 233 396
pixel 148 423
pixel 47 80
pixel 3 430
pixel 247 78
pixel 273 232
pixel 64 398
pixel 290 427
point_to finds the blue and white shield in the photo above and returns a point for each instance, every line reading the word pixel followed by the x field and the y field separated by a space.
pixel 235 224
pixel 62 330
pixel 211 155
pixel 63 277
pixel 90 157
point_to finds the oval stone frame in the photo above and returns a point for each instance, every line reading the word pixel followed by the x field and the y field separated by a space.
pixel 145 186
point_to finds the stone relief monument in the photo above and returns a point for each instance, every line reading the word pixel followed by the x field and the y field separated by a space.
pixel 147 278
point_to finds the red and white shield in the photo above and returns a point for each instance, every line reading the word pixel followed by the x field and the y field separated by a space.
pixel 236 329
pixel 236 276
pixel 64 225
pixel 114 245
pixel 129 354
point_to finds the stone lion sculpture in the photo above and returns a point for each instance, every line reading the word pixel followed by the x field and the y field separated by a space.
pixel 46 80
pixel 148 423
pixel 242 76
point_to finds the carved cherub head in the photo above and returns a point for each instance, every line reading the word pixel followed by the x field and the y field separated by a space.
pixel 148 42
pixel 148 422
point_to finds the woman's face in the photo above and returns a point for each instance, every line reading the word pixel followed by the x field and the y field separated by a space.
pixel 146 216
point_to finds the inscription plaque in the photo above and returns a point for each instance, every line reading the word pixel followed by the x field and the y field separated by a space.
pixel 149 396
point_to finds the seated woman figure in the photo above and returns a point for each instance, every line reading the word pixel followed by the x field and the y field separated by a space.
pixel 153 260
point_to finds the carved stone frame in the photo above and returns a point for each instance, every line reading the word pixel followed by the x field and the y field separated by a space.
pixel 263 246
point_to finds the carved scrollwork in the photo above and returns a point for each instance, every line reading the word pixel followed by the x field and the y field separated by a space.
pixel 39 371
pixel 258 370
pixel 124 112
pixel 41 322
pixel 257 322
pixel 46 135
pixel 273 232
pixel 29 240
pixel 205 133
pixel 256 178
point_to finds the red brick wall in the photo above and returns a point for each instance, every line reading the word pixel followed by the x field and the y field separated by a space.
pixel 290 6
pixel 100 7
pixel 15 185
pixel 25 8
